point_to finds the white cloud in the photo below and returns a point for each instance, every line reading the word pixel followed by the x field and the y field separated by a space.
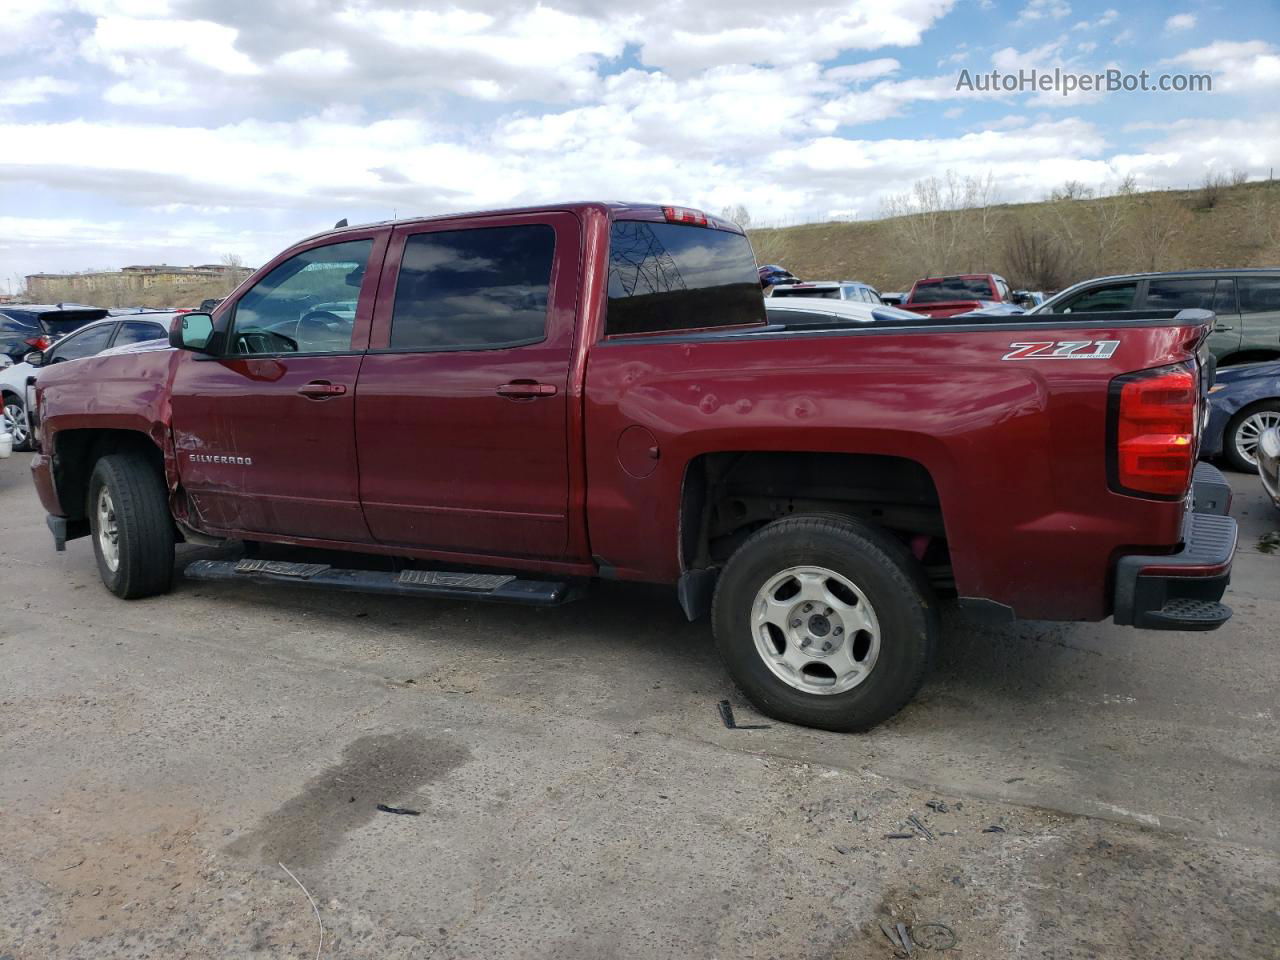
pixel 1180 21
pixel 29 90
pixel 1044 10
pixel 1238 66
pixel 1107 17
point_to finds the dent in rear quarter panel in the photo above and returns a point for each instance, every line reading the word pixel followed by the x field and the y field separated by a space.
pixel 1016 449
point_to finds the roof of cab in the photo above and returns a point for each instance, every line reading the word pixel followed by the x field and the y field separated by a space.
pixel 614 208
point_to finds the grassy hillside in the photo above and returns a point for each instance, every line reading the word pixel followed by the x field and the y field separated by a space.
pixel 1042 245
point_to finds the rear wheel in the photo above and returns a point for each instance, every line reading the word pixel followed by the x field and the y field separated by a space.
pixel 1246 429
pixel 15 422
pixel 131 526
pixel 825 622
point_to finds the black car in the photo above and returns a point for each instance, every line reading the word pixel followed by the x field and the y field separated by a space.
pixel 36 326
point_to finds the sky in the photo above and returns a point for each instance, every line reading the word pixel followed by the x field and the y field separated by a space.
pixel 180 131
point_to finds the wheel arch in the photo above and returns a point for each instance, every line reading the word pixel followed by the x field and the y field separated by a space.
pixel 76 452
pixel 728 495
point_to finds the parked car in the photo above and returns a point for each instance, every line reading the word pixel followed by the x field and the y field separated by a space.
pixel 829 290
pixel 947 296
pixel 1244 402
pixel 893 298
pixel 812 490
pixel 1028 298
pixel 35 326
pixel 803 311
pixel 91 339
pixel 207 305
pixel 1269 463
pixel 1246 301
pixel 772 275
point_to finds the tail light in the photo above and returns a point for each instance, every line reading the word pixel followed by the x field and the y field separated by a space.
pixel 1153 432
pixel 685 215
pixel 38 343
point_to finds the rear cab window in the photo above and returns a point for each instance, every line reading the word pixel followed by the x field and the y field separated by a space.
pixel 674 276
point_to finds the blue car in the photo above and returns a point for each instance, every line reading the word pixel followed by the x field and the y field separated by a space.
pixel 1244 401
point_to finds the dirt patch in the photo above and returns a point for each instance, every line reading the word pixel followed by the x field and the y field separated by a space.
pixel 373 770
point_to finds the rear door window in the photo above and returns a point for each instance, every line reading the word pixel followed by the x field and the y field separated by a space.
pixel 1224 298
pixel 1259 294
pixel 82 344
pixel 1168 294
pixel 951 288
pixel 1115 296
pixel 670 276
pixel 480 289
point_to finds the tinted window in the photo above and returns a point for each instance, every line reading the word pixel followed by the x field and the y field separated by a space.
pixel 1180 294
pixel 13 324
pixel 951 288
pixel 135 331
pixel 669 276
pixel 1118 296
pixel 305 305
pixel 84 344
pixel 831 293
pixel 1224 300
pixel 473 289
pixel 1259 294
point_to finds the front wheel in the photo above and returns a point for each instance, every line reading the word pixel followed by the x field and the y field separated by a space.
pixel 131 526
pixel 1246 429
pixel 825 622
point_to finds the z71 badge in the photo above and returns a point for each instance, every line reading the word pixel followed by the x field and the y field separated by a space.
pixel 1062 350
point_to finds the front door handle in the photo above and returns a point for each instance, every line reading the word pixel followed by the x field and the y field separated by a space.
pixel 1221 329
pixel 526 390
pixel 322 389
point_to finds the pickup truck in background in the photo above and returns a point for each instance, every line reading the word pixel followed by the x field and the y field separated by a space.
pixel 948 296
pixel 515 404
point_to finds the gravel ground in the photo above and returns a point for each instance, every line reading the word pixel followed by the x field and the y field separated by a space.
pixel 1086 791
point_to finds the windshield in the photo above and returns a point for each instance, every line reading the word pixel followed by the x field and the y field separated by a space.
pixel 952 288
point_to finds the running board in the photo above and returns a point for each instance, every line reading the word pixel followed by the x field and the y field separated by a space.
pixel 492 587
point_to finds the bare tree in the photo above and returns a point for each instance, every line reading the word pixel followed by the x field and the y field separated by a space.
pixel 1034 258
pixel 1157 224
pixel 737 214
pixel 1071 190
pixel 943 224
pixel 1212 189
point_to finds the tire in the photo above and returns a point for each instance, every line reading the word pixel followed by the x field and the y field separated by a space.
pixel 15 419
pixel 892 622
pixel 1241 435
pixel 138 560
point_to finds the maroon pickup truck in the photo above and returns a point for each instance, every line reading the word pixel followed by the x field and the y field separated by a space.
pixel 948 296
pixel 508 406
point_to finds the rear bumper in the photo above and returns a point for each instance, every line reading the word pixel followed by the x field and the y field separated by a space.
pixel 1181 591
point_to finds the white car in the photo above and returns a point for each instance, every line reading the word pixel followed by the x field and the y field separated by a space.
pixel 113 333
pixel 805 312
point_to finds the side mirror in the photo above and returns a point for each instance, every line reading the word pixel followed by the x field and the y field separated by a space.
pixel 35 358
pixel 191 331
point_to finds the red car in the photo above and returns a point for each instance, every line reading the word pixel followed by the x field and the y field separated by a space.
pixel 515 404
pixel 947 296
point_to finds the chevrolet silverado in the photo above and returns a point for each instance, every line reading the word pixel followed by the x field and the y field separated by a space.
pixel 510 405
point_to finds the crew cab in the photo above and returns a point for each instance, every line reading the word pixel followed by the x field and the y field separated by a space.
pixel 948 296
pixel 519 403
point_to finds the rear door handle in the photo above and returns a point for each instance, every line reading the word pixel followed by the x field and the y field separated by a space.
pixel 526 390
pixel 322 389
